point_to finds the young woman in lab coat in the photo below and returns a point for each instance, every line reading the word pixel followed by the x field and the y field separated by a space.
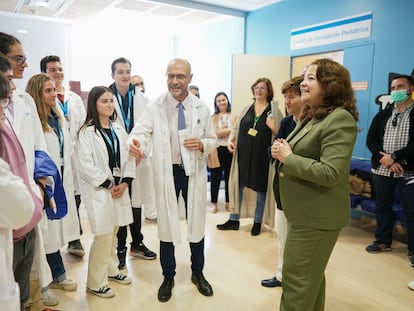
pixel 106 171
pixel 42 89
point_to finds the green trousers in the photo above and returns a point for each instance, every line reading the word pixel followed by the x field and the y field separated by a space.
pixel 307 253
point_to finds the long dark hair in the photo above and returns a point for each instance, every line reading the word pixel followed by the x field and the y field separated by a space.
pixel 4 93
pixel 216 109
pixel 92 117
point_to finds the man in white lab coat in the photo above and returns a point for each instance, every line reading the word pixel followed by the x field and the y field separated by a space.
pixel 179 127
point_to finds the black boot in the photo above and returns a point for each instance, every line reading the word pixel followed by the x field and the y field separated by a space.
pixel 229 225
pixel 256 228
pixel 121 256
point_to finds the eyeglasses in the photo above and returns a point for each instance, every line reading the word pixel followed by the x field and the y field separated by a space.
pixel 261 88
pixel 19 59
pixel 179 77
pixel 395 120
pixel 4 102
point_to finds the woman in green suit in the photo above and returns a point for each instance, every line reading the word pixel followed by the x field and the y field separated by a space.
pixel 314 161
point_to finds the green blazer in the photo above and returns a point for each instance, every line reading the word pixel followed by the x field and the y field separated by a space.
pixel 314 180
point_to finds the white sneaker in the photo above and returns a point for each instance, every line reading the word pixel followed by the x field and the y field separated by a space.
pixel 68 285
pixel 104 292
pixel 49 298
pixel 411 285
pixel 120 278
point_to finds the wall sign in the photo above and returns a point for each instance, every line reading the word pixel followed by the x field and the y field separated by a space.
pixel 339 30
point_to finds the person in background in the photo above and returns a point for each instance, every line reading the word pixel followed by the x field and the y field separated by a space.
pixel 138 81
pixel 41 88
pixel 194 89
pixel 22 116
pixel 293 104
pixel 179 128
pixel 248 142
pixel 74 112
pixel 150 211
pixel 391 141
pixel 21 209
pixel 314 162
pixel 223 121
pixel 106 172
pixel 129 105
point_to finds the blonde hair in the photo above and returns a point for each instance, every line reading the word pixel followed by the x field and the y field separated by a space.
pixel 35 89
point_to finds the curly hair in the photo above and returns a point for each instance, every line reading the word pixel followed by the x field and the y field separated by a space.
pixel 335 82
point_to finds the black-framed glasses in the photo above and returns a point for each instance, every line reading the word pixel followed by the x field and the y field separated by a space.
pixel 394 121
pixel 19 59
pixel 4 102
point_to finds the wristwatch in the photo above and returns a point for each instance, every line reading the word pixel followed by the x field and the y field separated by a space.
pixel 393 156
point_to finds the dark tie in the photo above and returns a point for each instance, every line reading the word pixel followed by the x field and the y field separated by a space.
pixel 181 118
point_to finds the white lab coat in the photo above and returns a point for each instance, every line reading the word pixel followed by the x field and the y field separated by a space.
pixel 153 128
pixel 142 191
pixel 62 231
pixel 104 212
pixel 75 117
pixel 16 210
pixel 26 124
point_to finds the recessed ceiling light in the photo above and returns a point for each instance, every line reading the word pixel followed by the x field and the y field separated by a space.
pixel 23 31
pixel 43 4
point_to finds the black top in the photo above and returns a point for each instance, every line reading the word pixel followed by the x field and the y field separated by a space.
pixel 252 151
pixel 287 125
pixel 375 138
pixel 112 163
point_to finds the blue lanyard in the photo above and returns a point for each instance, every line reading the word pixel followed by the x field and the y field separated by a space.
pixel 64 107
pixel 55 124
pixel 126 116
pixel 114 145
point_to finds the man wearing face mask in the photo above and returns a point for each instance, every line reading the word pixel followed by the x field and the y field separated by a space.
pixel 391 141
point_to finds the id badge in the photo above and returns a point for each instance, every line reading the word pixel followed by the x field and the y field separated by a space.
pixel 252 132
pixel 116 172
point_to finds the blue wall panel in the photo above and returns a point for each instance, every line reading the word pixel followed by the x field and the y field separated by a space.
pixel 268 32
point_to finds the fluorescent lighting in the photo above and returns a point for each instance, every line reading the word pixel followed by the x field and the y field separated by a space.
pixel 22 31
pixel 43 4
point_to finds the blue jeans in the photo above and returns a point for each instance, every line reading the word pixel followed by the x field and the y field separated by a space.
pixel 56 266
pixel 384 190
pixel 260 205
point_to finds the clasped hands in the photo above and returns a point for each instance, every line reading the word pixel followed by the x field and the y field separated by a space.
pixel 118 190
pixel 387 161
pixel 280 150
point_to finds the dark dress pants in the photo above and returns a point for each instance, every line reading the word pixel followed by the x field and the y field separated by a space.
pixel 384 189
pixel 167 256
